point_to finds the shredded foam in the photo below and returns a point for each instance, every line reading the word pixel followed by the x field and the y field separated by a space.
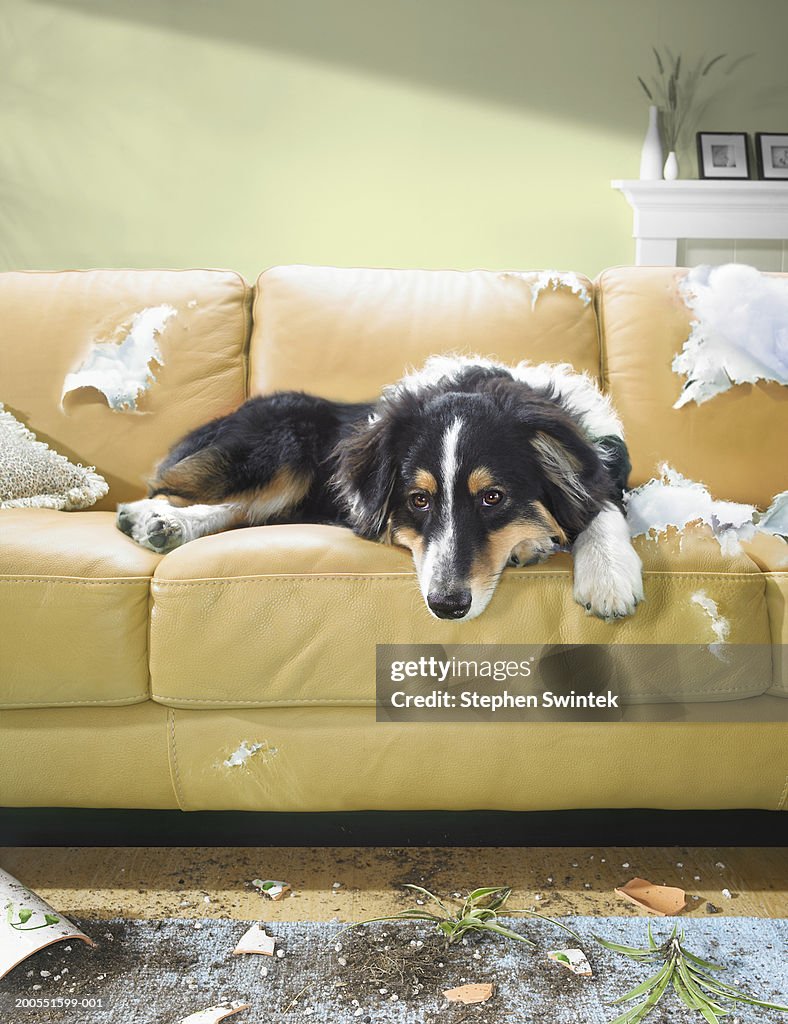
pixel 121 370
pixel 739 334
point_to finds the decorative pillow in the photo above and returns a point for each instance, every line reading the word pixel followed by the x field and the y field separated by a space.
pixel 32 475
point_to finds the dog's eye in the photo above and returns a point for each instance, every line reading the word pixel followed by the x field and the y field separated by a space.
pixel 492 497
pixel 419 501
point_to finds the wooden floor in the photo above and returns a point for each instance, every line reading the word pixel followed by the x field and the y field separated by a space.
pixel 353 884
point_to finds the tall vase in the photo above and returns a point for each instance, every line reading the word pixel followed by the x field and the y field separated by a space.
pixel 671 166
pixel 651 158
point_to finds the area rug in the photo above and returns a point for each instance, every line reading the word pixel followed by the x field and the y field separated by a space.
pixel 158 972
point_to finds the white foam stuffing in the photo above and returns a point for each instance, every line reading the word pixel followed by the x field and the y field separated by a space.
pixel 775 518
pixel 719 624
pixel 121 370
pixel 739 334
pixel 674 501
pixel 243 754
pixel 554 279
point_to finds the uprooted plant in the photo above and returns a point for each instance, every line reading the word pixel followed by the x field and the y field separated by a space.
pixel 479 912
pixel 688 975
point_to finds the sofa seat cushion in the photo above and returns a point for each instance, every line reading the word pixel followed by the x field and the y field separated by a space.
pixel 73 610
pixel 290 615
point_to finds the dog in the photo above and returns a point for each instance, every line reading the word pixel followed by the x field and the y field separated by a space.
pixel 470 464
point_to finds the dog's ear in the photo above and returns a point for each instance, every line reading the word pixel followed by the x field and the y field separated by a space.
pixel 365 475
pixel 574 481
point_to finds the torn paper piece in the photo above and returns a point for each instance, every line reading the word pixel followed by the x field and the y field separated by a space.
pixel 215 1013
pixel 663 900
pixel 739 334
pixel 477 993
pixel 675 501
pixel 121 370
pixel 256 941
pixel 719 625
pixel 574 960
pixel 276 890
pixel 28 924
pixel 775 519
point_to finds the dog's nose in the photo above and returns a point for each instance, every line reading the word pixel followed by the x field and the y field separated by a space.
pixel 450 606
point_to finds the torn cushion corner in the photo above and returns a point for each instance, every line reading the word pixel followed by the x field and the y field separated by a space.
pixel 32 475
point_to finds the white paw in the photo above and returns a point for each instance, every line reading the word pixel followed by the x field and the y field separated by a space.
pixel 151 524
pixel 611 587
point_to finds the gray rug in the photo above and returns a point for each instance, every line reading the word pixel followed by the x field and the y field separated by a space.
pixel 156 972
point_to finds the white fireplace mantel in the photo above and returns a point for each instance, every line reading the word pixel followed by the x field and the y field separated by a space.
pixel 666 211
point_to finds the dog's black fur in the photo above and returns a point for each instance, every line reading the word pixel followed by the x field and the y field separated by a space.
pixel 470 473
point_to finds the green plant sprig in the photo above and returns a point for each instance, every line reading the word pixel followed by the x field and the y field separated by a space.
pixel 479 911
pixel 688 976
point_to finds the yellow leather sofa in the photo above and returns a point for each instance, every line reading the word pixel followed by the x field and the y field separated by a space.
pixel 127 679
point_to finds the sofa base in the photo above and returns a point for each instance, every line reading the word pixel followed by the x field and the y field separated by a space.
pixel 340 759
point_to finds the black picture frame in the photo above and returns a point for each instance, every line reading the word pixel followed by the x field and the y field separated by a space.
pixel 716 149
pixel 766 143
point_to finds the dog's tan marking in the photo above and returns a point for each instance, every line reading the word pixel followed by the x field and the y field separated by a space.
pixel 481 479
pixel 408 538
pixel 556 530
pixel 526 534
pixel 425 481
pixel 283 491
pixel 199 478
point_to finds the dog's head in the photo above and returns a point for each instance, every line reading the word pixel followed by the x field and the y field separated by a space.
pixel 470 482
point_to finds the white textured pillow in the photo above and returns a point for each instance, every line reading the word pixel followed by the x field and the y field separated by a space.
pixel 34 476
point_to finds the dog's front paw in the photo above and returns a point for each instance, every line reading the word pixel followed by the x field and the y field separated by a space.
pixel 612 588
pixel 151 524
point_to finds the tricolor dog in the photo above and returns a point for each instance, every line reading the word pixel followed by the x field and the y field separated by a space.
pixel 470 465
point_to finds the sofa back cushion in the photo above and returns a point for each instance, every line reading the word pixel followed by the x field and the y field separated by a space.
pixel 344 333
pixel 734 442
pixel 50 324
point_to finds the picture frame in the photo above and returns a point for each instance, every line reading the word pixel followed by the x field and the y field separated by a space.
pixel 771 152
pixel 723 155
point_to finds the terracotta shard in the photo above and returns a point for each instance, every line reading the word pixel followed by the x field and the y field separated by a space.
pixel 477 993
pixel 663 900
pixel 256 941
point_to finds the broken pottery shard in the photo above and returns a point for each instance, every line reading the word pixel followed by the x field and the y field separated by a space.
pixel 28 923
pixel 121 370
pixel 215 1013
pixel 663 900
pixel 719 625
pixel 256 941
pixel 574 960
pixel 739 334
pixel 674 501
pixel 275 890
pixel 477 993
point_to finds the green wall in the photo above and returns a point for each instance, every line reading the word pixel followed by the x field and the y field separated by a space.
pixel 435 133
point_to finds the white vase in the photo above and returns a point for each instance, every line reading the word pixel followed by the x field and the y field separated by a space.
pixel 651 158
pixel 671 166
